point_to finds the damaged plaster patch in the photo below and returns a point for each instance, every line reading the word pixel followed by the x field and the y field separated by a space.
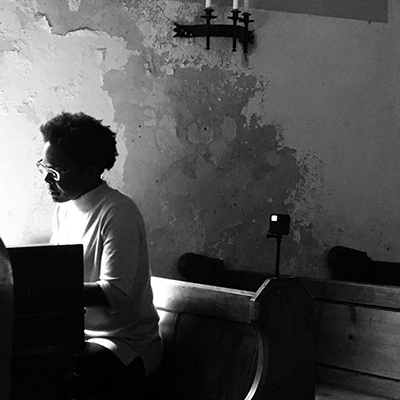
pixel 74 5
pixel 228 128
pixel 305 201
pixel 272 158
pixel 304 198
pixel 27 6
pixel 196 95
pixel 200 132
pixel 243 170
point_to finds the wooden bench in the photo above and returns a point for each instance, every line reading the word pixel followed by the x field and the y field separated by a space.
pixel 358 340
pixel 229 344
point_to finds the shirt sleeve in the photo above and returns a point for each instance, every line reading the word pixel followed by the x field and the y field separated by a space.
pixel 123 236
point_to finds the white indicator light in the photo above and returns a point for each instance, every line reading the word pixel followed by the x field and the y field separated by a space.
pixel 274 218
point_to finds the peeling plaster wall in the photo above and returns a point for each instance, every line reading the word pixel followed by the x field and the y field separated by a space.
pixel 210 143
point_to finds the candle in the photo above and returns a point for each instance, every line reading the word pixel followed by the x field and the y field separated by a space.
pixel 235 5
pixel 208 3
pixel 246 6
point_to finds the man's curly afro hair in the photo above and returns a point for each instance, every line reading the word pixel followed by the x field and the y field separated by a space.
pixel 84 139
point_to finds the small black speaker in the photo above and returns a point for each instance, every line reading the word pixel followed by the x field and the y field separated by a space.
pixel 279 224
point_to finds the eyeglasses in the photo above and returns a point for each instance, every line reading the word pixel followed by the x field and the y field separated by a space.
pixel 45 170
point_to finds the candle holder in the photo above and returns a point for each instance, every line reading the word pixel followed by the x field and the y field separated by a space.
pixel 208 30
pixel 246 21
pixel 235 18
pixel 208 17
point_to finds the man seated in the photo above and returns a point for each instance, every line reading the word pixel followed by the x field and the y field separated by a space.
pixel 121 323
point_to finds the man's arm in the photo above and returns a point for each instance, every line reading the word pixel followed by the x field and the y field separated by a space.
pixel 93 295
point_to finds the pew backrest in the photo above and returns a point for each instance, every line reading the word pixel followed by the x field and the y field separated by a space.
pixel 228 344
pixel 358 336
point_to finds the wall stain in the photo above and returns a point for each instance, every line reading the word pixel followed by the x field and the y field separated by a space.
pixel 205 175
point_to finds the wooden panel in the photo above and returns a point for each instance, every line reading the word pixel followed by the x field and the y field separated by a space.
pixel 44 331
pixel 215 358
pixel 239 363
pixel 326 392
pixel 361 383
pixel 47 278
pixel 366 10
pixel 350 292
pixel 210 360
pixel 212 301
pixel 48 296
pixel 198 358
pixel 287 318
pixel 359 339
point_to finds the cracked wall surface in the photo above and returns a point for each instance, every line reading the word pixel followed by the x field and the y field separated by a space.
pixel 210 143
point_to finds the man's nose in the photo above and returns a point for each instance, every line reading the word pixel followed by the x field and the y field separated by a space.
pixel 49 178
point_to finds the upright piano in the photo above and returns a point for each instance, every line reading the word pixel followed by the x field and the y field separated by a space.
pixel 48 320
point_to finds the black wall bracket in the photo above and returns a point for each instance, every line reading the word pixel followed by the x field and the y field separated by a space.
pixel 235 31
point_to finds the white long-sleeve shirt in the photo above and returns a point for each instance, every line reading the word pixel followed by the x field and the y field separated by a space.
pixel 111 229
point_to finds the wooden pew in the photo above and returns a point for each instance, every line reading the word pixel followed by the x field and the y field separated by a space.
pixel 358 339
pixel 228 344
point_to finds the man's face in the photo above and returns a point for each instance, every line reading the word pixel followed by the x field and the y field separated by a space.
pixel 71 184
